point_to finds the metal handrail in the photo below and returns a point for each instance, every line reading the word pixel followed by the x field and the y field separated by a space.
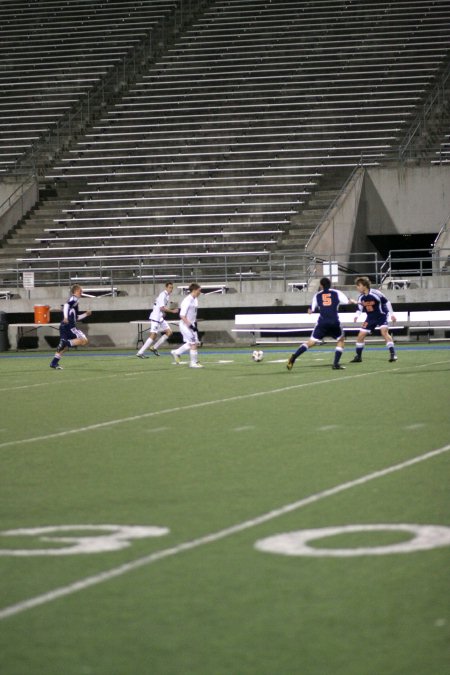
pixel 273 268
pixel 443 229
pixel 386 267
pixel 11 199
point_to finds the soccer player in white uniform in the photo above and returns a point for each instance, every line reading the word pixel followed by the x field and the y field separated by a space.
pixel 188 327
pixel 158 323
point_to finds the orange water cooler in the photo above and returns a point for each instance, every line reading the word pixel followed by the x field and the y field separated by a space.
pixel 41 314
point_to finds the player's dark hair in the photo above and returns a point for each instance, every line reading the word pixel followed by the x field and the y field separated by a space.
pixel 365 281
pixel 194 287
pixel 325 283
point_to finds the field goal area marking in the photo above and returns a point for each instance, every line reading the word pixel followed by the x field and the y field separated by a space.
pixel 96 579
pixel 201 404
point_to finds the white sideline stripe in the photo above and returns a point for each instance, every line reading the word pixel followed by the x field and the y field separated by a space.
pixel 209 538
pixel 201 404
pixel 61 381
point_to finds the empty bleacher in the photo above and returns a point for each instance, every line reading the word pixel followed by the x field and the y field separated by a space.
pixel 212 152
pixel 71 49
pixel 443 154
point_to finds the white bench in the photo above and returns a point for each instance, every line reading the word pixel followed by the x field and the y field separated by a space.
pixel 207 289
pixel 396 284
pixel 429 321
pixel 95 291
pixel 298 286
pixel 290 324
pixel 100 292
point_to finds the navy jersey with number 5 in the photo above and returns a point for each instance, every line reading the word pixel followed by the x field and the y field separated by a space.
pixel 327 302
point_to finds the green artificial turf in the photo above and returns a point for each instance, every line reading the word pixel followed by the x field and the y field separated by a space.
pixel 224 457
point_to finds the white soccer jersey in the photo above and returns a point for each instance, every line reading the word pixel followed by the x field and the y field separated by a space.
pixel 161 301
pixel 188 309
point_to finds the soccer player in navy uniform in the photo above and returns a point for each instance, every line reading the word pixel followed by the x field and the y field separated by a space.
pixel 326 302
pixel 378 310
pixel 69 334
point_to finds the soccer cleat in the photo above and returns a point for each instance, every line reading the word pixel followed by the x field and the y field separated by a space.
pixel 154 351
pixel 393 358
pixel 290 364
pixel 142 356
pixel 357 359
pixel 337 366
pixel 176 358
pixel 56 367
pixel 195 365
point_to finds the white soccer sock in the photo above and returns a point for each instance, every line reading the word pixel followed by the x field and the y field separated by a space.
pixel 182 350
pixel 148 343
pixel 161 341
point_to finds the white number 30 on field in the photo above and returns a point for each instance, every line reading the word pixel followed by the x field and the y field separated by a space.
pixel 422 538
pixel 97 538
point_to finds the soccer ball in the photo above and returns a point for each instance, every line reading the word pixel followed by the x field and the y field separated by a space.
pixel 258 355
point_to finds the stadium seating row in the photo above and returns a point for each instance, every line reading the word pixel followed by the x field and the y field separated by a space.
pixel 252 110
pixel 70 50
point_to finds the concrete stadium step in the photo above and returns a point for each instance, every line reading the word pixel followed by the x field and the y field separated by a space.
pixel 52 200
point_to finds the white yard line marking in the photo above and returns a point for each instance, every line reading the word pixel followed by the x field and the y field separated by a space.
pixel 50 383
pixel 193 406
pixel 95 579
pixel 157 430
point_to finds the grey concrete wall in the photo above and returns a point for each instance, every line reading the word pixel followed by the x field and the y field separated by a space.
pixel 336 233
pixel 15 200
pixel 384 200
pixel 405 200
